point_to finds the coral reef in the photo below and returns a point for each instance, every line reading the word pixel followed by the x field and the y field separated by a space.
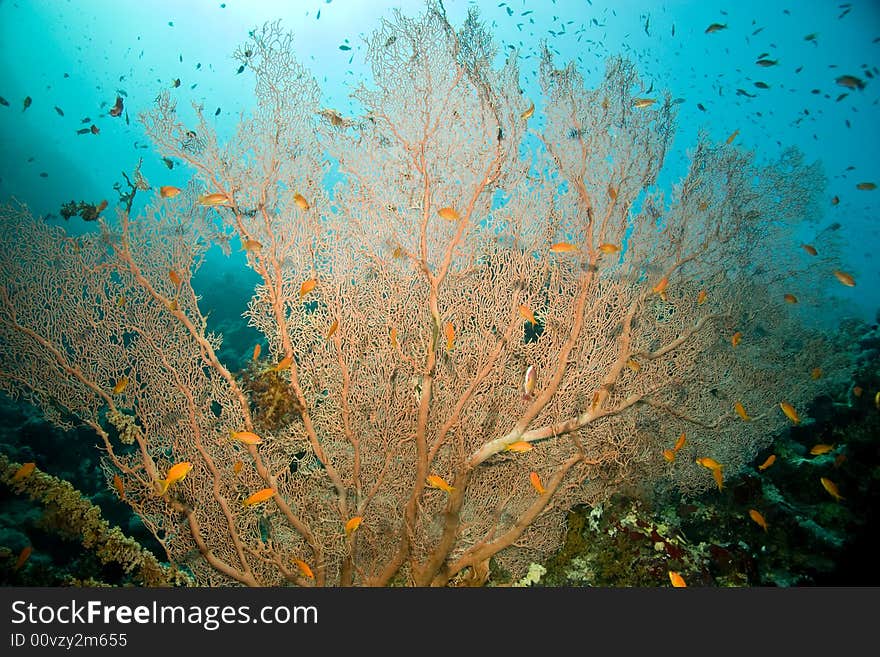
pixel 71 515
pixel 532 328
pixel 811 538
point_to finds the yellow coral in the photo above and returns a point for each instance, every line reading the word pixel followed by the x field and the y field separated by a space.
pixel 536 572
pixel 70 513
pixel 125 425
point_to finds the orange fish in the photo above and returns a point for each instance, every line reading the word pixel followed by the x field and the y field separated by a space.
pixel 866 186
pixel 449 331
pixel 246 437
pixel 101 206
pixel 333 327
pixel 741 411
pixel 810 249
pixel 353 524
pixel 845 278
pixel 660 288
pixel 736 338
pixel 527 114
pixel 216 198
pixel 790 298
pixel 612 192
pixel 677 580
pixel 257 349
pixel 304 568
pixel 536 483
pixel 237 466
pixel 701 297
pixel 768 462
pixel 168 191
pixel 758 518
pixel 307 287
pixel 283 364
pixel 857 391
pixel 710 463
pixel 119 486
pixel 669 455
pixel 816 373
pixel 436 481
pixel 529 380
pixel 24 471
pixel 609 248
pixel 680 442
pixel 831 487
pixel 633 365
pixel 251 245
pixel 449 214
pixel 301 201
pixel 120 385
pixel 176 473
pixel 640 103
pixel 835 200
pixel 393 335
pixel 519 446
pixel 732 137
pixel 789 411
pixel 174 277
pixel 718 477
pixel 527 314
pixel 563 247
pixel 23 556
pixel 260 496
pixel 821 448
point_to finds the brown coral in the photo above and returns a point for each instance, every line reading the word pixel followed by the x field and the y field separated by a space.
pixel 273 403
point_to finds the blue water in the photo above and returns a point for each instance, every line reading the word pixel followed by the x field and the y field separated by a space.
pixel 78 55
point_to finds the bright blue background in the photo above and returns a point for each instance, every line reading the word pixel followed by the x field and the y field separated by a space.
pixel 105 45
